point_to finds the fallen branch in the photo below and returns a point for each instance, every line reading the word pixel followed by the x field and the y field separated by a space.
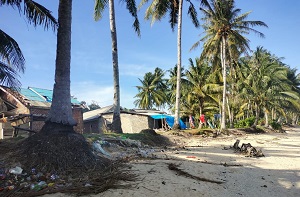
pixel 222 164
pixel 174 167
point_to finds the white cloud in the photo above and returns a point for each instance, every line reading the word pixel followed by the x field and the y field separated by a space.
pixel 89 91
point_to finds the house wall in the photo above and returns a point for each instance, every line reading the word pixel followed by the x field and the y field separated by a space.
pixel 92 126
pixel 77 115
pixel 133 123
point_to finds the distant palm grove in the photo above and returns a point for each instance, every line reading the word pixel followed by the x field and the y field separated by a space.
pixel 247 87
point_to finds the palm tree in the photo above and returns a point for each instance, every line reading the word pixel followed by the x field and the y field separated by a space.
pixel 60 114
pixel 172 85
pixel 266 84
pixel 224 29
pixel 156 11
pixel 153 90
pixel 201 84
pixel 12 59
pixel 99 8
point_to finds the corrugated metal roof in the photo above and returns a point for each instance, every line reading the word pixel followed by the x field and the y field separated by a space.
pixel 90 115
pixel 30 95
pixel 41 95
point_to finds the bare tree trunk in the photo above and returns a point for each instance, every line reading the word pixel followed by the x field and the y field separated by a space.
pixel 116 124
pixel 61 108
pixel 223 61
pixel 178 83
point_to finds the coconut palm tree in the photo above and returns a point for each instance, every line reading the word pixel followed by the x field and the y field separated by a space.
pixel 153 90
pixel 266 84
pixel 201 84
pixel 60 113
pixel 156 11
pixel 100 5
pixel 224 29
pixel 172 85
pixel 12 59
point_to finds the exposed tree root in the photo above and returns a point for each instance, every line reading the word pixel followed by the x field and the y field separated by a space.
pixel 174 167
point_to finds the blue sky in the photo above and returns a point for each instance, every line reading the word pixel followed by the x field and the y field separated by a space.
pixel 91 67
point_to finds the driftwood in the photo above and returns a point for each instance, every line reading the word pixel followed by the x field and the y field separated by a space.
pixel 247 149
pixel 174 167
pixel 222 164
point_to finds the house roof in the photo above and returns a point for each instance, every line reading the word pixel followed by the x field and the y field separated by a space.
pixel 40 97
pixel 91 115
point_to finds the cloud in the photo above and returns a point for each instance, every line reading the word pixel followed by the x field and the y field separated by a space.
pixel 89 91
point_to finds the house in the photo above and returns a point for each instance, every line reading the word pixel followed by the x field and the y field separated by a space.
pixel 27 108
pixel 133 121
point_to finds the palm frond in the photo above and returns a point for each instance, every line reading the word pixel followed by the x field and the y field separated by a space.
pixel 99 7
pixel 39 15
pixel 10 52
pixel 8 76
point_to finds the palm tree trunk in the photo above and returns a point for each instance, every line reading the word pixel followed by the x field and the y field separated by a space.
pixel 223 61
pixel 116 124
pixel 200 112
pixel 256 115
pixel 61 108
pixel 266 117
pixel 177 104
pixel 230 114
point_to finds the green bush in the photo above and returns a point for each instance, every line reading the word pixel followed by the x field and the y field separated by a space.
pixel 275 125
pixel 248 122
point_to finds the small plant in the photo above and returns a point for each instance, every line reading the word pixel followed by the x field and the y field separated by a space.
pixel 275 125
pixel 248 122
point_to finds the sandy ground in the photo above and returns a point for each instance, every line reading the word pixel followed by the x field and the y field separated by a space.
pixel 275 175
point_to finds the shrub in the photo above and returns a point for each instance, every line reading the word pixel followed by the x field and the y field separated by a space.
pixel 275 125
pixel 248 122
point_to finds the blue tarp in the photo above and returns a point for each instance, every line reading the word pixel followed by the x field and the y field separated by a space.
pixel 169 120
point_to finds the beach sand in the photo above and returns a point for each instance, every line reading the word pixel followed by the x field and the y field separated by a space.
pixel 275 175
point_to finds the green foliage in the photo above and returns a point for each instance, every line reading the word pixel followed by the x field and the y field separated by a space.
pixel 275 125
pixel 248 122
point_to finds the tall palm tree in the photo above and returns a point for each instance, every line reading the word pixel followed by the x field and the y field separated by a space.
pixel 224 29
pixel 156 11
pixel 99 8
pixel 12 59
pixel 60 114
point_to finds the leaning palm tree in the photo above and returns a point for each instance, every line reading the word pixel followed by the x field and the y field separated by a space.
pixel 12 59
pixel 156 11
pixel 100 5
pixel 224 29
